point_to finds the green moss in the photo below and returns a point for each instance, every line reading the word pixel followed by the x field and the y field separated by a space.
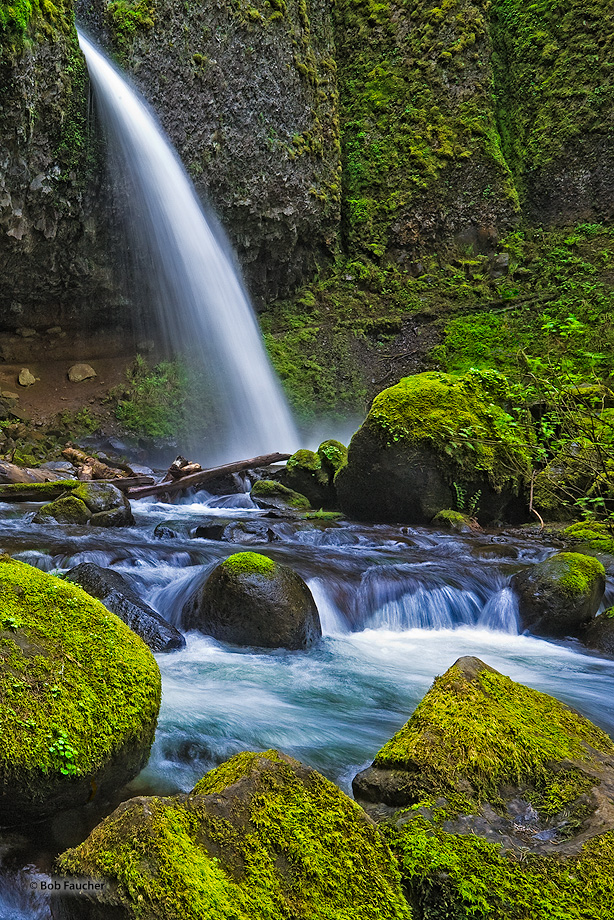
pixel 456 876
pixel 479 730
pixel 127 17
pixel 459 417
pixel 591 534
pixel 18 17
pixel 305 460
pixel 333 455
pixel 260 837
pixel 574 573
pixel 37 491
pixel 268 489
pixel 70 671
pixel 153 403
pixel 249 564
pixel 67 510
pixel 553 77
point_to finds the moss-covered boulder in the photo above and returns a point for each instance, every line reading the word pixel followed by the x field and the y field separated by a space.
pixel 559 596
pixel 433 441
pixel 508 799
pixel 79 694
pixel 261 836
pixel 455 521
pixel 66 510
pixel 312 474
pixel 99 504
pixel 591 535
pixel 274 496
pixel 251 600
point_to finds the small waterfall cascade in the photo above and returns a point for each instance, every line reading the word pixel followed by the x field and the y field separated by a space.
pixel 201 305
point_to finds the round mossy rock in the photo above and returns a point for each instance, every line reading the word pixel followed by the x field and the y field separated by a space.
pixel 66 510
pixel 274 496
pixel 261 836
pixel 79 694
pixel 333 455
pixel 429 439
pixel 108 505
pixel 251 600
pixel 560 596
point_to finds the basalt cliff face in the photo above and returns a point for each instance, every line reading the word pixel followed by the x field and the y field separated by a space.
pixel 54 254
pixel 248 96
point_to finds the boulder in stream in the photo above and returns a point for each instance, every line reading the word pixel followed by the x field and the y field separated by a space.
pixel 437 441
pixel 99 504
pixel 118 595
pixel 507 797
pixel 559 596
pixel 274 496
pixel 306 474
pixel 79 695
pixel 599 634
pixel 259 836
pixel 251 600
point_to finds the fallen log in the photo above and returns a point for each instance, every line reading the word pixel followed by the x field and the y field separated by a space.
pixel 196 479
pixel 90 467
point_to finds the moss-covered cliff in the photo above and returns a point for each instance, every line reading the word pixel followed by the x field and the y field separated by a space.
pixel 248 95
pixel 53 260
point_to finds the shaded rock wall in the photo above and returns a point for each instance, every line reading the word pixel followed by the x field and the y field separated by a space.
pixel 248 96
pixel 53 251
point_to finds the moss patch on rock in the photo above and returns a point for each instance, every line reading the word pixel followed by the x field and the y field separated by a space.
pixel 249 564
pixel 77 687
pixel 269 494
pixel 261 836
pixel 67 510
pixel 593 535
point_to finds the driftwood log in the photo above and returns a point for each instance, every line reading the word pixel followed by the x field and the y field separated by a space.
pixel 32 491
pixel 90 467
pixel 196 479
pixel 10 472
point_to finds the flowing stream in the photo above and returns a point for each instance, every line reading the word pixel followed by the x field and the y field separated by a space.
pixel 398 606
pixel 201 305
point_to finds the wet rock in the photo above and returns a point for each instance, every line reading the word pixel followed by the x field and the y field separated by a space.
pixel 80 372
pixel 275 496
pixel 559 596
pixel 248 532
pixel 304 474
pixel 599 634
pixel 71 665
pixel 254 810
pixel 118 595
pixel 26 378
pixel 66 510
pixel 169 530
pixel 251 600
pixel 401 467
pixel 109 505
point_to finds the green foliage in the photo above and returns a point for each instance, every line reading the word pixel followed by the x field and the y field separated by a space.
pixel 17 17
pixel 273 841
pixel 460 876
pixel 594 535
pixel 126 17
pixel 82 680
pixel 153 403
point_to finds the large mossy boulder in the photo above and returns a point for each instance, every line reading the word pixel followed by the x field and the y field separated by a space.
pixel 261 836
pixel 434 441
pixel 79 694
pixel 118 596
pixel 559 596
pixel 65 510
pixel 507 800
pixel 251 600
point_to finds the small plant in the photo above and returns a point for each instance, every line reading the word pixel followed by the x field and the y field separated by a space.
pixel 466 504
pixel 10 622
pixel 63 755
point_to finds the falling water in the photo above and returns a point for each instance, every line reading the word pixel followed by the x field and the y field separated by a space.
pixel 203 309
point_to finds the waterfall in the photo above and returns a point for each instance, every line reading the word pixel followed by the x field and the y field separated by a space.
pixel 201 305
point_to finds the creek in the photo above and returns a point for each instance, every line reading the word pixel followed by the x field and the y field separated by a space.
pixel 398 606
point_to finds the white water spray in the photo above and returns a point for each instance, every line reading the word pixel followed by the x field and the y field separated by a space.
pixel 202 306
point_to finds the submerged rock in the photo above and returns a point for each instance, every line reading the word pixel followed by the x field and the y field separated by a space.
pixel 251 600
pixel 79 695
pixel 260 836
pixel 559 596
pixel 509 801
pixel 117 595
pixel 430 440
pixel 275 496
